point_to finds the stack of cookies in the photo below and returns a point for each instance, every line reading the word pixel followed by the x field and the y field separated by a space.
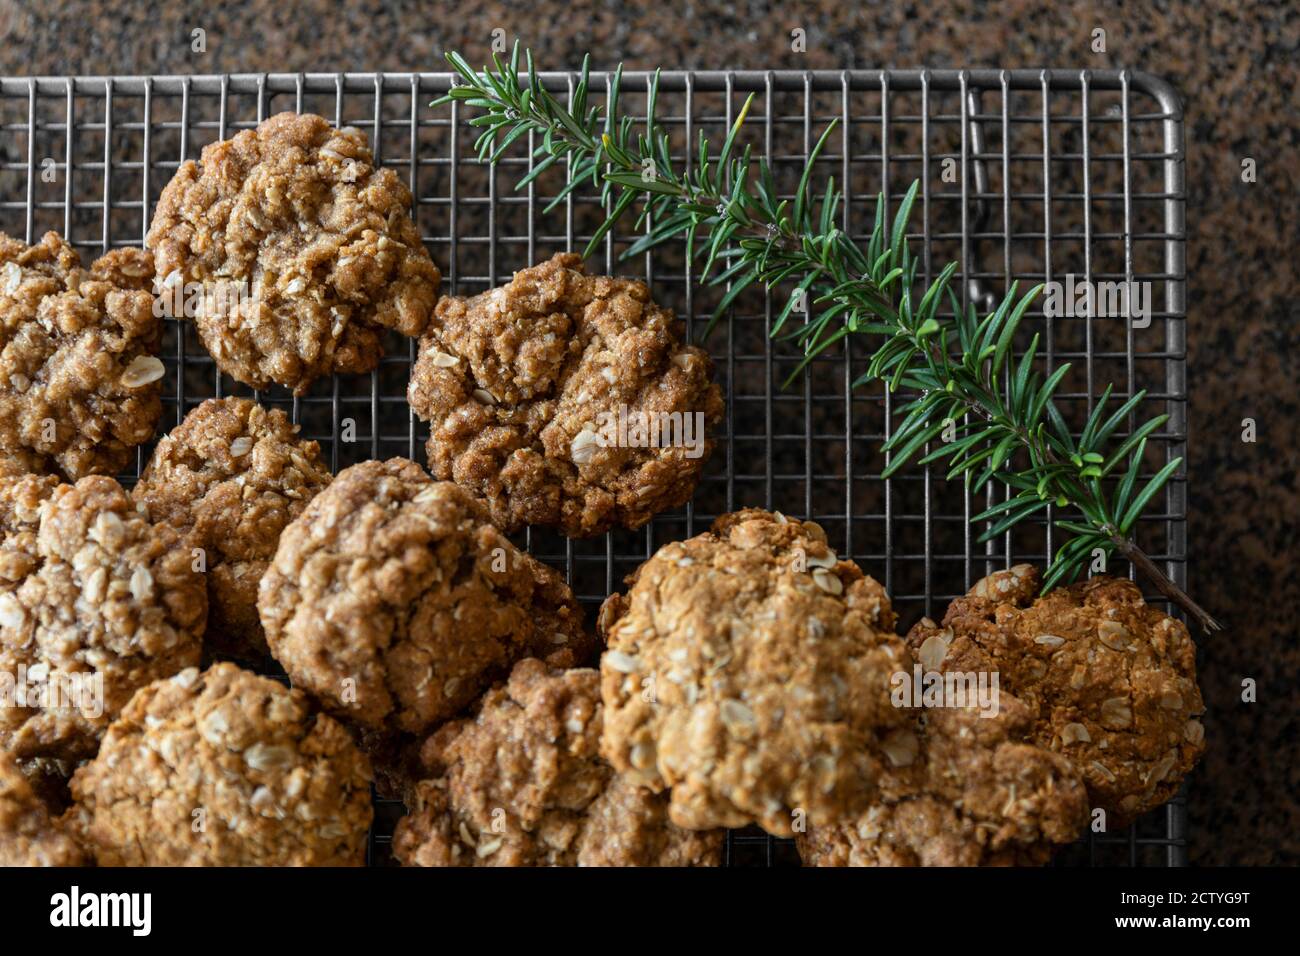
pixel 746 678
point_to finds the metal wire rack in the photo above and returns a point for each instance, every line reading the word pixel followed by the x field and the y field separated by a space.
pixel 1033 175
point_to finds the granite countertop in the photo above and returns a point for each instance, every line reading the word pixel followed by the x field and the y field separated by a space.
pixel 1236 66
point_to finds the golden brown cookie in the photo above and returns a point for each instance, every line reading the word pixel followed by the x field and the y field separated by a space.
pixel 542 395
pixel 80 380
pixel 28 837
pixel 95 602
pixel 1110 681
pixel 223 768
pixel 394 601
pixel 303 250
pixel 962 789
pixel 523 784
pixel 231 477
pixel 748 672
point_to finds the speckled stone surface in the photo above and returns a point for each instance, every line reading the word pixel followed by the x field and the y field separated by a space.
pixel 1236 66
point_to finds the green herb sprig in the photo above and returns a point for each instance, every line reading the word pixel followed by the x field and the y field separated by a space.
pixel 993 416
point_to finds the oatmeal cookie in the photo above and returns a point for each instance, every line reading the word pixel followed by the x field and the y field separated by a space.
pixel 80 381
pixel 523 784
pixel 28 837
pixel 748 671
pixel 523 386
pixel 95 602
pixel 231 477
pixel 962 789
pixel 1110 681
pixel 223 768
pixel 304 250
pixel 394 601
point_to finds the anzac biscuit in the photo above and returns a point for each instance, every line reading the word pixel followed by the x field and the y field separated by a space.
pixel 95 602
pixel 748 672
pixel 523 784
pixel 962 789
pixel 395 602
pixel 223 768
pixel 231 477
pixel 1110 681
pixel 80 380
pixel 302 252
pixel 565 399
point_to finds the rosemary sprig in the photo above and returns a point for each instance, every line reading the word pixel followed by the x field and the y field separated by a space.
pixel 993 417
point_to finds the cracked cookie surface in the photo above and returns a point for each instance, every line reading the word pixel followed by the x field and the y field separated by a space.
pixel 231 477
pixel 961 789
pixel 28 837
pixel 523 385
pixel 223 768
pixel 748 672
pixel 95 602
pixel 1111 682
pixel 395 602
pixel 522 783
pixel 304 250
pixel 80 380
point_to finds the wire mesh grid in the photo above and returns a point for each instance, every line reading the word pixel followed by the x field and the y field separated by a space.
pixel 1029 175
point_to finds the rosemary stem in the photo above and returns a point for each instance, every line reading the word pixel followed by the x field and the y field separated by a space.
pixel 1139 559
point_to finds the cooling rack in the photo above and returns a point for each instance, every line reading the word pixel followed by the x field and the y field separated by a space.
pixel 1029 175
